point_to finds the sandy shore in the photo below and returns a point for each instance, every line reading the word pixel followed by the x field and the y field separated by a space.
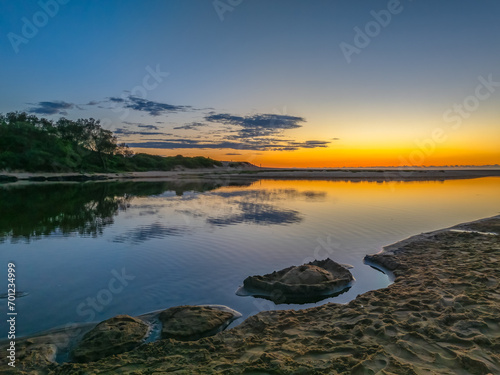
pixel 440 316
pixel 254 173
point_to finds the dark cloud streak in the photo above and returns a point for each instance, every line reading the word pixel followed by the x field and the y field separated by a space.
pixel 149 106
pixel 260 145
pixel 260 125
pixel 192 126
pixel 51 108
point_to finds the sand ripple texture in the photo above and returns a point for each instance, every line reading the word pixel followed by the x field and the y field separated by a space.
pixel 440 316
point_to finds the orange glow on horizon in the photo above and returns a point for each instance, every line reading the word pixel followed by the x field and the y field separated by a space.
pixel 334 158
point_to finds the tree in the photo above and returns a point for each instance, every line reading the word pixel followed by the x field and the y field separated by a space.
pixel 124 150
pixel 97 139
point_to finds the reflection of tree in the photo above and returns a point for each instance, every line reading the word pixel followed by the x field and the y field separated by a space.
pixel 33 211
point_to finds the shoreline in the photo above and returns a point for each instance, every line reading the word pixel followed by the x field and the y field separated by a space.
pixel 383 175
pixel 440 315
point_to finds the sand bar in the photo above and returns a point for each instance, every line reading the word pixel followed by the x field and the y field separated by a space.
pixel 254 173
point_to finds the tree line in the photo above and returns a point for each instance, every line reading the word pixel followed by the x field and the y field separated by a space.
pixel 35 144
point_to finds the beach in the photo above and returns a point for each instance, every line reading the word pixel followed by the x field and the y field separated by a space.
pixel 439 316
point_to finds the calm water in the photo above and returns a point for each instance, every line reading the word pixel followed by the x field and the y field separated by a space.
pixel 195 243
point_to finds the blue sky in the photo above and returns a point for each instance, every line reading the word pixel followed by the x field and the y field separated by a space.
pixel 261 58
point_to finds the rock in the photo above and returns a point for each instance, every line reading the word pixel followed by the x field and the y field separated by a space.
pixel 308 274
pixel 18 294
pixel 386 261
pixel 300 284
pixel 113 336
pixel 188 323
pixel 32 354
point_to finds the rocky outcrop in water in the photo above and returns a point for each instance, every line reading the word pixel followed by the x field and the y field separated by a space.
pixel 113 336
pixel 300 284
pixel 188 323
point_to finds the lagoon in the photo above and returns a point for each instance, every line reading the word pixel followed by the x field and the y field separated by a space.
pixel 87 252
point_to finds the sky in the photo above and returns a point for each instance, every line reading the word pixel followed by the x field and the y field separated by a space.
pixel 282 83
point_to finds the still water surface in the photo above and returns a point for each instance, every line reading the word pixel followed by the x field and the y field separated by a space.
pixel 195 243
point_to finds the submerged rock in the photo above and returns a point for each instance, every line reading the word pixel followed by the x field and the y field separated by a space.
pixel 113 336
pixel 300 284
pixel 188 323
pixel 16 294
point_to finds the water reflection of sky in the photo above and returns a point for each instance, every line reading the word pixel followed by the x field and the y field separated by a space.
pixel 196 244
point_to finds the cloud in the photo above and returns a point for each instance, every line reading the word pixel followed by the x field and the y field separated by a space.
pixel 260 145
pixel 51 108
pixel 149 106
pixel 310 144
pixel 116 100
pixel 125 132
pixel 258 132
pixel 141 125
pixel 191 126
pixel 260 125
pixel 335 139
pixel 150 127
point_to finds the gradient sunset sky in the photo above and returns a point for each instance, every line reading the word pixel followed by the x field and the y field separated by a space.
pixel 281 83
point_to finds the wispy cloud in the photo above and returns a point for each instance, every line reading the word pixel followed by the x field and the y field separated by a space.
pixel 51 108
pixel 141 125
pixel 126 132
pixel 191 126
pixel 149 106
pixel 260 125
pixel 116 100
pixel 150 127
pixel 309 144
pixel 261 145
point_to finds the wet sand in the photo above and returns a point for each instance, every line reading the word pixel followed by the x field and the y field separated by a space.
pixel 440 316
